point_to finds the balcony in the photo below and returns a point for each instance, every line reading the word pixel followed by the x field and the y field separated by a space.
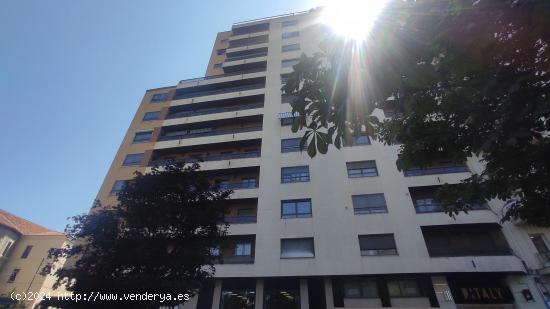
pixel 257 63
pixel 237 250
pixel 220 88
pixel 212 128
pixel 241 211
pixel 255 40
pixel 246 54
pixel 208 152
pixel 193 82
pixel 250 29
pixel 235 178
pixel 442 167
pixel 215 107
pixel 423 200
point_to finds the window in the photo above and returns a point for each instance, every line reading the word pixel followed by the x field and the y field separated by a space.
pixel 289 62
pixel 540 244
pixel 133 159
pixel 215 251
pixel 288 35
pixel 369 203
pixel 404 288
pixel 249 183
pixel 297 248
pixel 144 136
pixel 151 116
pixel 424 200
pixel 377 244
pixel 288 121
pixel 478 239
pixel 26 252
pixel 117 187
pixel 440 167
pixel 13 275
pixel 290 47
pixel 217 65
pixel 362 169
pixel 288 23
pixel 295 174
pixel 220 51
pixel 243 249
pixel 246 212
pixel 358 140
pixel 360 288
pixel 290 144
pixel 159 97
pixel 7 248
pixel 296 209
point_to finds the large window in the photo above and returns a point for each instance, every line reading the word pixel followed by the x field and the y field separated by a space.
pixel 295 174
pixel 133 159
pixel 362 169
pixel 480 239
pixel 149 116
pixel 238 294
pixel 144 136
pixel 360 288
pixel 26 252
pixel 288 35
pixel 243 248
pixel 7 248
pixel 117 187
pixel 404 288
pixel 282 294
pixel 290 47
pixel 296 208
pixel 369 203
pixel 297 248
pixel 377 244
pixel 159 97
pixel 290 144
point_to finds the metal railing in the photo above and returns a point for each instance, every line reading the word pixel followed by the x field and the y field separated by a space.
pixel 246 57
pixel 218 91
pixel 435 207
pixel 210 133
pixel 240 219
pixel 236 259
pixel 214 110
pixel 220 157
pixel 196 79
pixel 445 169
pixel 238 185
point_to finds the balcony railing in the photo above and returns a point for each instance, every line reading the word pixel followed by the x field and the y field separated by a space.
pixel 445 169
pixel 220 157
pixel 254 70
pixel 218 91
pixel 237 259
pixel 238 185
pixel 245 57
pixel 240 219
pixel 214 110
pixel 209 133
pixel 434 207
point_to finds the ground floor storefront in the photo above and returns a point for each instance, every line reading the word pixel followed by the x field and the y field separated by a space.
pixel 449 291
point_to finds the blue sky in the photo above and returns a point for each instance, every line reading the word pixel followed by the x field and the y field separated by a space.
pixel 72 74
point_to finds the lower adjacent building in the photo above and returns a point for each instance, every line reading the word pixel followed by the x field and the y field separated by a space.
pixel 26 261
pixel 343 230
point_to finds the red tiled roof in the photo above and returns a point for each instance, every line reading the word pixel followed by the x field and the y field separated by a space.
pixel 23 226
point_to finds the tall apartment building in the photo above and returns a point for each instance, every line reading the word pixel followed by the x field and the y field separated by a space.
pixel 26 265
pixel 343 230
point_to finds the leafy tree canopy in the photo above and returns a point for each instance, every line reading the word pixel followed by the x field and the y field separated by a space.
pixel 158 238
pixel 461 78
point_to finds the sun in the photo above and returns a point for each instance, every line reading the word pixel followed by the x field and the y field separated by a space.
pixel 352 19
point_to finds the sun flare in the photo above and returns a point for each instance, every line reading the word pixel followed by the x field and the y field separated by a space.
pixel 352 19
